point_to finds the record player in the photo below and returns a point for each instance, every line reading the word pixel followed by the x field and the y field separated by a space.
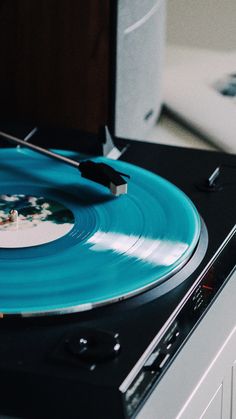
pixel 99 293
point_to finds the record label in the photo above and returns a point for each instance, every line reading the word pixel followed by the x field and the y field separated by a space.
pixel 27 221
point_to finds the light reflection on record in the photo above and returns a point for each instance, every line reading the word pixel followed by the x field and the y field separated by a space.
pixel 157 252
pixel 116 246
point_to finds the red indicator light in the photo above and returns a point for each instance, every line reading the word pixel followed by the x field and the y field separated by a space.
pixel 207 287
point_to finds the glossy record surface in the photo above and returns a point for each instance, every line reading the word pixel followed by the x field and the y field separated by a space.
pixel 115 247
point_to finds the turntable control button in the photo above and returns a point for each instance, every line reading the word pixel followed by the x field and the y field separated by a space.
pixel 172 339
pixel 154 363
pixel 93 345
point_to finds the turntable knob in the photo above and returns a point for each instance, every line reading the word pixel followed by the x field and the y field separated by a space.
pixel 93 345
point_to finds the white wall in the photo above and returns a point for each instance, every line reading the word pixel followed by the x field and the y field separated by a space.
pixel 202 23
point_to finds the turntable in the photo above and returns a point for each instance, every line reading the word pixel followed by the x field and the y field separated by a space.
pixel 101 287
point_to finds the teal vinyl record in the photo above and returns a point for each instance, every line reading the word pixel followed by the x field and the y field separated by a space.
pixel 68 245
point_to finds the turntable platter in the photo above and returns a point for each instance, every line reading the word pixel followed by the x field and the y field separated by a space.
pixel 72 246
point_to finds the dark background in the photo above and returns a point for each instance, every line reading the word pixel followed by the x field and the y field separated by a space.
pixel 55 62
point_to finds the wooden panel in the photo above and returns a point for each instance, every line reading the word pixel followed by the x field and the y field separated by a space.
pixel 54 61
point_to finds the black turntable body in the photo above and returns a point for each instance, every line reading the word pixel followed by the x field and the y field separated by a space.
pixel 105 362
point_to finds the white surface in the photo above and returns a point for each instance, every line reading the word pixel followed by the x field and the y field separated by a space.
pixel 189 92
pixel 201 366
pixel 202 23
pixel 192 24
pixel 168 131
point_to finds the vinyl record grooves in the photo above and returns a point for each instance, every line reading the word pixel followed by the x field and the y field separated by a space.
pixel 74 246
